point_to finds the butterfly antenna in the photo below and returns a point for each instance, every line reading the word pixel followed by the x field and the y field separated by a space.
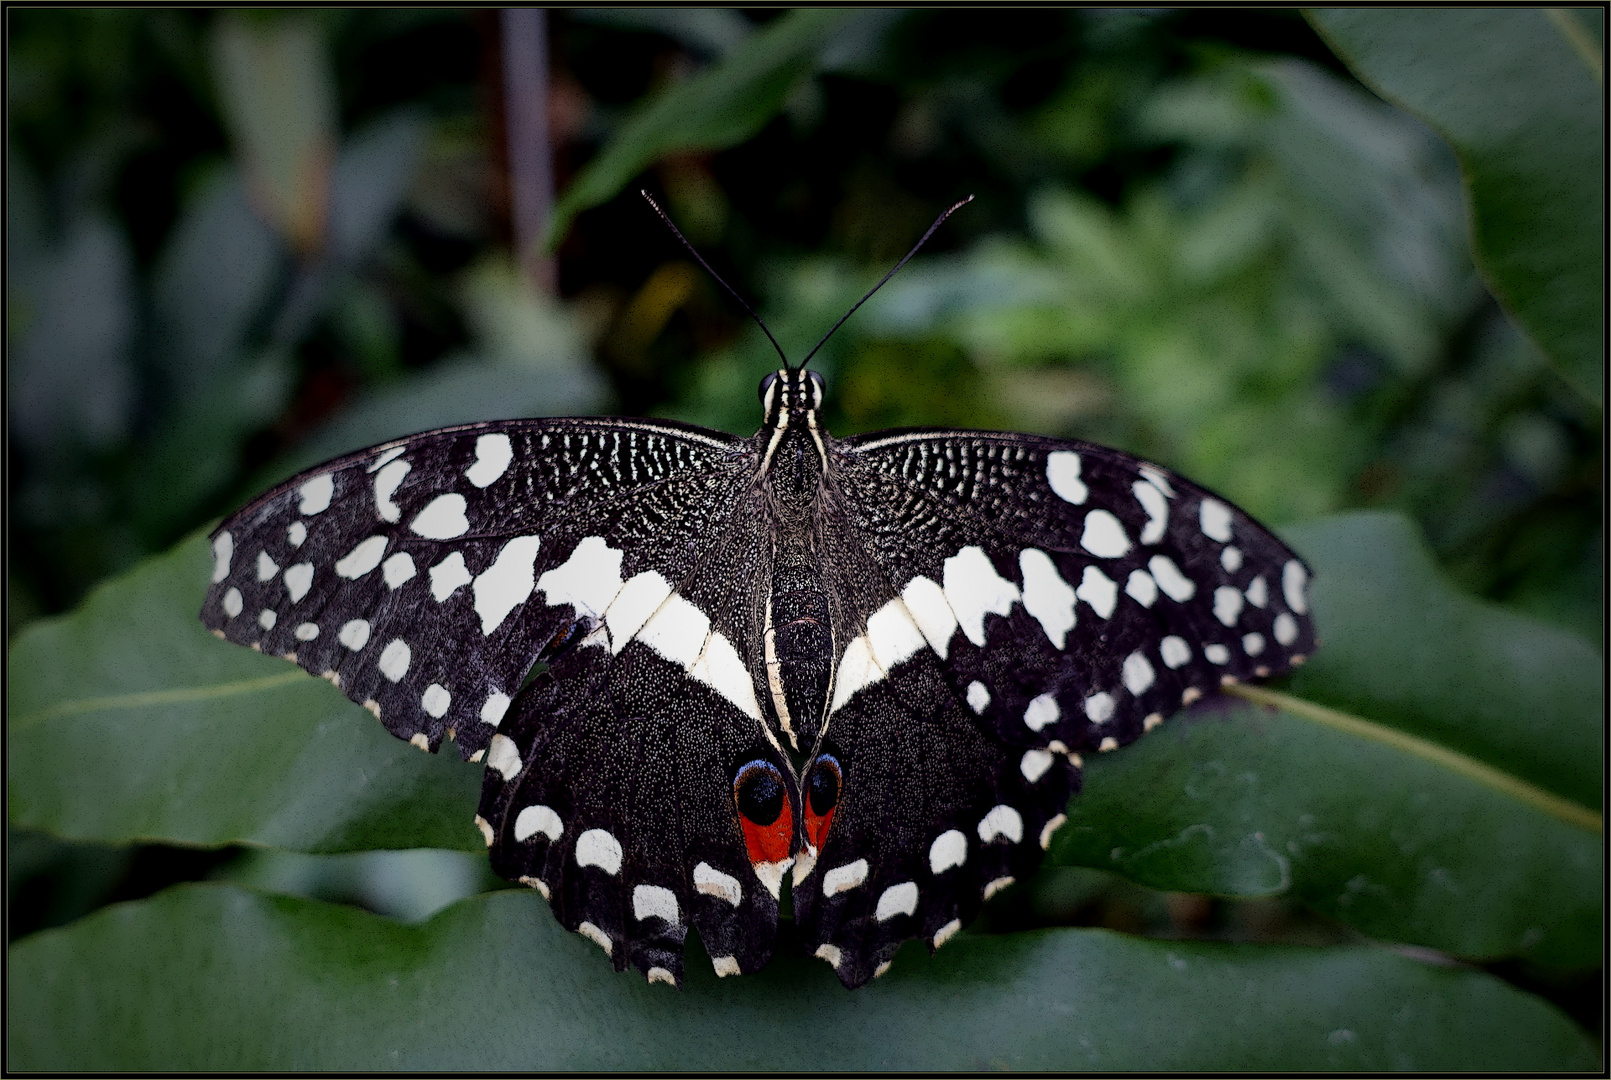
pixel 675 232
pixel 937 223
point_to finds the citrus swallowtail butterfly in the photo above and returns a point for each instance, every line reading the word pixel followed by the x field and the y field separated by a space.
pixel 869 666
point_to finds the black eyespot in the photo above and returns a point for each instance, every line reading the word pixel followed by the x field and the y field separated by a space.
pixel 766 384
pixel 822 786
pixel 758 790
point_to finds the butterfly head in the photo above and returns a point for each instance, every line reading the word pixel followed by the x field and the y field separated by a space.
pixel 790 392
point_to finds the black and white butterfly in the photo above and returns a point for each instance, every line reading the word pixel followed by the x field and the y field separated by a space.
pixel 869 666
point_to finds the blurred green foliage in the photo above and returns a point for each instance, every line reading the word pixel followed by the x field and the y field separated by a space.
pixel 242 242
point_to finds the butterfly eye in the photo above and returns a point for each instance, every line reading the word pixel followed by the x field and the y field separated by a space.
pixel 823 785
pixel 818 387
pixel 766 386
pixel 764 813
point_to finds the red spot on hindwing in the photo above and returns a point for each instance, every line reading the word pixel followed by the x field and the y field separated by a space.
pixel 765 812
pixel 823 784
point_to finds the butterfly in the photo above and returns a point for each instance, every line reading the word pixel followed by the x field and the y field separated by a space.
pixel 700 668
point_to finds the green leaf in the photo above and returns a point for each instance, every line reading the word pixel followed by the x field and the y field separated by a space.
pixel 1440 813
pixel 720 107
pixel 214 978
pixel 1519 95
pixel 127 720
pixel 1401 646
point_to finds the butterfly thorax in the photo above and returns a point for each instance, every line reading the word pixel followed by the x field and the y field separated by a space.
pixel 798 635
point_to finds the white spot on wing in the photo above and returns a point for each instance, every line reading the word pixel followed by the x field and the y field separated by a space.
pixel 929 608
pixel 1099 707
pixel 632 606
pixel 949 849
pixel 506 584
pixel 1042 711
pixel 725 966
pixel 978 696
pixel 842 878
pixel 355 635
pixel 223 551
pixel 1104 535
pixel 856 670
pixel 974 589
pixel 712 882
pixel 298 579
pixel 1231 559
pixel 597 937
pixel 492 456
pixel 829 953
pixel 538 819
pixel 1047 596
pixel 386 483
pixel 1034 764
pixel 654 902
pixel 448 576
pixel 1141 588
pixel 296 533
pixel 1252 644
pixel 719 668
pixel 316 494
pixel 660 974
pixel 494 707
pixel 587 581
pixel 398 569
pixel 442 519
pixel 1052 825
pixel 1157 507
pixel 267 618
pixel 1227 605
pixel 435 700
pixel 596 847
pixel 1063 474
pixel 266 567
pixel 233 603
pixel 897 900
pixel 504 756
pixel 361 559
pixel 1286 629
pixel 1215 518
pixel 1294 583
pixel 1098 590
pixel 394 659
pixel 996 886
pixel 946 932
pixel 1138 674
pixel 306 631
pixel 892 635
pixel 677 631
pixel 1002 821
pixel 1216 654
pixel 1257 593
pixel 1175 585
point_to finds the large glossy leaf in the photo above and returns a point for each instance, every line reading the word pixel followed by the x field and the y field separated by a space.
pixel 1517 92
pixel 216 978
pixel 715 109
pixel 1402 646
pixel 127 720
pixel 1471 835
